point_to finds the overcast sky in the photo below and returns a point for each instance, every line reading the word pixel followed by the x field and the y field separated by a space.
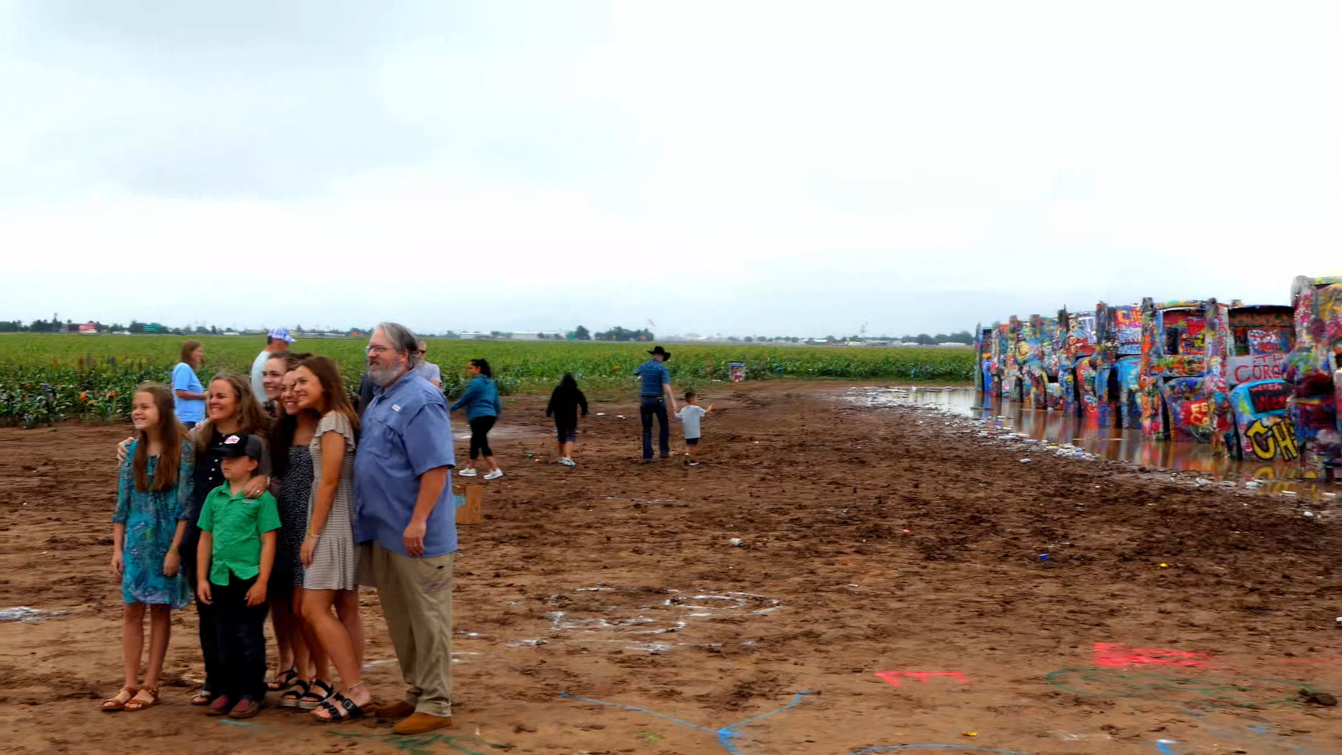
pixel 746 168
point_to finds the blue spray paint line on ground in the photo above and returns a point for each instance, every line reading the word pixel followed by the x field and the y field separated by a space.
pixel 726 733
pixel 723 735
pixel 1166 746
pixel 237 723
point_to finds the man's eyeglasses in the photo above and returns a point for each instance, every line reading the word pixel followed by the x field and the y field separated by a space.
pixel 422 352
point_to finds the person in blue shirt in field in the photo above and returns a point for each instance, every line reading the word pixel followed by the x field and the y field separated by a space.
pixel 655 388
pixel 188 395
pixel 482 405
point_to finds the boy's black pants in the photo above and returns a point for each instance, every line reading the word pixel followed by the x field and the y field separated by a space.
pixel 242 640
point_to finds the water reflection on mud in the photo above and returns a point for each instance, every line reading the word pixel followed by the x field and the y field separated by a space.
pixel 1055 428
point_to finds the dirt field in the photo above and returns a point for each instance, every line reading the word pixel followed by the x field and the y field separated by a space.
pixel 888 595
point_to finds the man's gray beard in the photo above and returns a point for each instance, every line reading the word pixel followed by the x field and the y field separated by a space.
pixel 383 377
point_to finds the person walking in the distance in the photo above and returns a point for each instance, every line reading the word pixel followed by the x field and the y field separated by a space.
pixel 655 389
pixel 690 417
pixel 565 402
pixel 403 498
pixel 482 405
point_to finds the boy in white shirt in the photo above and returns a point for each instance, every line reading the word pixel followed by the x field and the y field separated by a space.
pixel 690 416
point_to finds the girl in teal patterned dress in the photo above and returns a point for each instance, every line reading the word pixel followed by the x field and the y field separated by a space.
pixel 152 497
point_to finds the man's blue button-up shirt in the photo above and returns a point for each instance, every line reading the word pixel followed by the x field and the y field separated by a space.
pixel 405 432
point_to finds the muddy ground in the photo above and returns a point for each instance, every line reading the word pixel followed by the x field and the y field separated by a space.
pixel 888 595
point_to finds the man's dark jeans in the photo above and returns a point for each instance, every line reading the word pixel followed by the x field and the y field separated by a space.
pixel 648 407
pixel 242 640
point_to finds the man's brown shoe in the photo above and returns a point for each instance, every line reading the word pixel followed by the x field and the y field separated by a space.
pixel 395 712
pixel 422 723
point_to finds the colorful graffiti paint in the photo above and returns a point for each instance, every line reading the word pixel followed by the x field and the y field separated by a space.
pixel 1261 337
pixel 1194 370
pixel 1013 349
pixel 1183 392
pixel 1039 359
pixel 1264 428
pixel 1313 369
pixel 1095 394
pixel 1075 371
pixel 1118 342
pixel 1001 336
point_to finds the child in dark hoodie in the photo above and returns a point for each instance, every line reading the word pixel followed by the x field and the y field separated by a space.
pixel 564 405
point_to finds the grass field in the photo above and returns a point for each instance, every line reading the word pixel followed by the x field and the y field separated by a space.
pixel 48 377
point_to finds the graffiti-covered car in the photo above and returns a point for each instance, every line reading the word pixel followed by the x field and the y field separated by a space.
pixel 1075 371
pixel 1312 369
pixel 1255 348
pixel 1109 378
pixel 1262 424
pixel 1039 363
pixel 997 364
pixel 1174 394
pixel 1014 351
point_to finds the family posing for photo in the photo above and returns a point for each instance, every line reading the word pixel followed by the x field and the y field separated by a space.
pixel 252 510
pixel 285 508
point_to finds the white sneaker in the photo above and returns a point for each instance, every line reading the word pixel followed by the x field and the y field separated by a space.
pixel 568 462
pixel 496 474
pixel 467 472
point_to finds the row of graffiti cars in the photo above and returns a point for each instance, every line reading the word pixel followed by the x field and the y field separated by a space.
pixel 1259 381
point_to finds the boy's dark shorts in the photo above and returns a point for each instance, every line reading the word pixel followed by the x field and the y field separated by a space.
pixel 691 442
pixel 566 433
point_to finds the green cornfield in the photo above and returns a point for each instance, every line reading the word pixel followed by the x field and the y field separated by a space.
pixel 45 378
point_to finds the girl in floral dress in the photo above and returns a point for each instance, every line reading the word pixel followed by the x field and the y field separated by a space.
pixel 152 497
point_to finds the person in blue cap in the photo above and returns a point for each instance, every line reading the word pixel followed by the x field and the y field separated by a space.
pixel 277 341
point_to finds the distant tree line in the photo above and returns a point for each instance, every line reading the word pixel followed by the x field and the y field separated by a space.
pixel 622 334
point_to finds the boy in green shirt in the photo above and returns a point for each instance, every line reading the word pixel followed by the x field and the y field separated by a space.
pixel 236 552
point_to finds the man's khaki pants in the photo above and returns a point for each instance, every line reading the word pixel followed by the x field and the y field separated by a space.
pixel 416 595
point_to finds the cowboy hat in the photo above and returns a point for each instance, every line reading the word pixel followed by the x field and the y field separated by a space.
pixel 663 353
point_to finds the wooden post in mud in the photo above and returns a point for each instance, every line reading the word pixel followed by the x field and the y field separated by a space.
pixel 471 513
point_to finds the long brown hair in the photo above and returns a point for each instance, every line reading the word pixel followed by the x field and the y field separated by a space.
pixel 187 348
pixel 333 388
pixel 170 433
pixel 252 419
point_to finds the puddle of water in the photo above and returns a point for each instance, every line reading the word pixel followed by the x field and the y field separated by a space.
pixel 1059 432
pixel 28 615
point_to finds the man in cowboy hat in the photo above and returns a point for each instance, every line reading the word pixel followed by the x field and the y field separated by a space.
pixel 654 391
